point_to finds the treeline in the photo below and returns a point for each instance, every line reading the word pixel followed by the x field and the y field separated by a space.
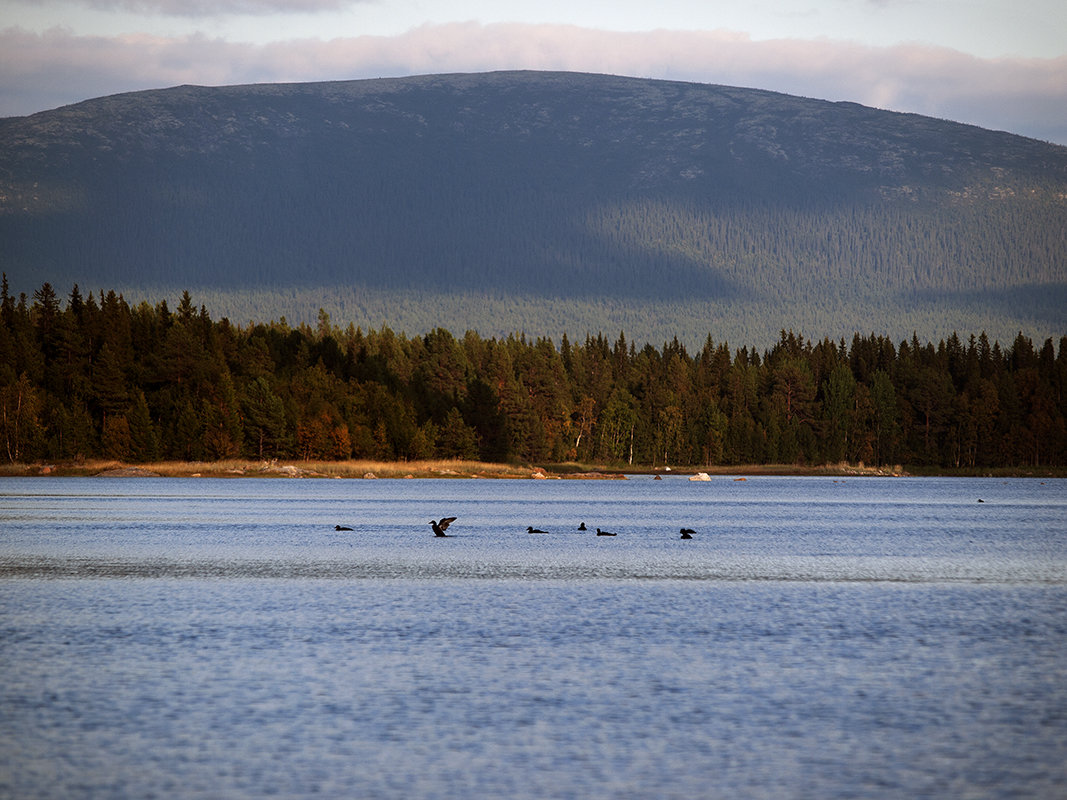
pixel 95 377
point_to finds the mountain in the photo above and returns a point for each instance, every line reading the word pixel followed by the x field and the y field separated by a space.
pixel 543 203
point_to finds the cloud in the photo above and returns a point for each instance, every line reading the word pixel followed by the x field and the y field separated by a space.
pixel 1026 96
pixel 212 8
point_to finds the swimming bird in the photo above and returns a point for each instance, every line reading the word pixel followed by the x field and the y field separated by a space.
pixel 603 533
pixel 582 527
pixel 439 527
pixel 687 533
pixel 534 530
pixel 341 528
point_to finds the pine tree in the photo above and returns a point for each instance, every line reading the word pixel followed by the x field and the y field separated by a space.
pixel 144 444
pixel 264 421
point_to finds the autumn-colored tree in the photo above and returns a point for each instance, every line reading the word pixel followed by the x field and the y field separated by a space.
pixel 323 438
pixel 115 437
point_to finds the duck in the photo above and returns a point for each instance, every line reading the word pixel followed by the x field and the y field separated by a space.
pixel 603 533
pixel 439 527
pixel 341 528
pixel 534 530
pixel 582 527
pixel 687 533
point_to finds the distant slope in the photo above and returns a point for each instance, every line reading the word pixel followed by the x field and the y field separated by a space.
pixel 541 202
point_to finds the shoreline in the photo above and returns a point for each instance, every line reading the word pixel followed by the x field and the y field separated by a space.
pixel 443 469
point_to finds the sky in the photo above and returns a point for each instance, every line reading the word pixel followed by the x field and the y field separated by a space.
pixel 1000 64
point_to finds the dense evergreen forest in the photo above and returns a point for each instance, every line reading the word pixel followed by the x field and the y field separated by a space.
pixel 548 203
pixel 96 377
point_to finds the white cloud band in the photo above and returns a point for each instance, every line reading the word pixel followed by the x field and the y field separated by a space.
pixel 1026 96
pixel 211 8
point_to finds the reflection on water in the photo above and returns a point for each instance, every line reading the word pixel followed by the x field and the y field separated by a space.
pixel 865 638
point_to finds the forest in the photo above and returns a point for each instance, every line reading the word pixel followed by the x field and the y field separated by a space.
pixel 92 376
pixel 541 202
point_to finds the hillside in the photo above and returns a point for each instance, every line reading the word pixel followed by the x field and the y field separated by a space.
pixel 542 202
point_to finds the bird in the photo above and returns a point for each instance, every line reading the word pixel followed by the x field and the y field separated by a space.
pixel 341 528
pixel 439 527
pixel 603 533
pixel 687 533
pixel 534 530
pixel 582 527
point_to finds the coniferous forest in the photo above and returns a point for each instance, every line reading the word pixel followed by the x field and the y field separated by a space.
pixel 541 202
pixel 90 376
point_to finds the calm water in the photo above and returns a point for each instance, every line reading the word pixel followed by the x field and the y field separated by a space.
pixel 817 638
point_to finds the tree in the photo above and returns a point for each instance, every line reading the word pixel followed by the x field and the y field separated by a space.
pixel 46 316
pixel 424 442
pixel 584 419
pixel 19 420
pixel 669 435
pixel 616 427
pixel 931 393
pixel 115 438
pixel 794 390
pixel 71 433
pixel 264 419
pixel 482 408
pixel 839 412
pixel 525 434
pixel 713 424
pixel 441 372
pixel 886 429
pixel 223 432
pixel 186 441
pixel 109 384
pixel 456 438
pixel 144 444
pixel 68 371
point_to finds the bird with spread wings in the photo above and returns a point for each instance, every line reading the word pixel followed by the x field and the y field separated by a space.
pixel 439 527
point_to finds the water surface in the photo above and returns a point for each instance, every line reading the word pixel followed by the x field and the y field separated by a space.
pixel 817 638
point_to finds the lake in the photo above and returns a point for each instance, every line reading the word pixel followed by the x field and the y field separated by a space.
pixel 818 637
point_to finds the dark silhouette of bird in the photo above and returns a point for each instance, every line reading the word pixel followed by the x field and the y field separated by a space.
pixel 534 530
pixel 341 528
pixel 440 527
pixel 687 533
pixel 980 500
pixel 603 533
pixel 582 527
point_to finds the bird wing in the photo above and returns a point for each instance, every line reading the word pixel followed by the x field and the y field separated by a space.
pixel 445 522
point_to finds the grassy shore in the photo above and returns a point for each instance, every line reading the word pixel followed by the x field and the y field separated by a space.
pixel 363 469
pixel 237 468
pixel 406 469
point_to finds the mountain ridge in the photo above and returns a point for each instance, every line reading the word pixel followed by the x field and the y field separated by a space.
pixel 738 212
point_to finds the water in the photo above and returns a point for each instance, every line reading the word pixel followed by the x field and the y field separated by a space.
pixel 817 638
